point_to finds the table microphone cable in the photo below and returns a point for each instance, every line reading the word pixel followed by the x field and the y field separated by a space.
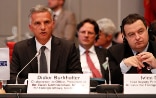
pixel 115 92
pixel 18 95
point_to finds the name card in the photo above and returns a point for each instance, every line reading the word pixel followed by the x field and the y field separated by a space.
pixel 139 83
pixel 4 64
pixel 58 83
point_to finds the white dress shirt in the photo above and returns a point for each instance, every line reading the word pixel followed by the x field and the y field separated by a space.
pixel 47 53
pixel 57 13
pixel 84 64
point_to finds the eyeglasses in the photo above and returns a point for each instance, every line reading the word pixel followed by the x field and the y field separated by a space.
pixel 88 32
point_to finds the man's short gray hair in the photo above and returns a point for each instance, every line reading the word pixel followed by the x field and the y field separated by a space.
pixel 107 26
pixel 39 8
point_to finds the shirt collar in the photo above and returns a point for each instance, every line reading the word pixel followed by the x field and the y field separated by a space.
pixel 57 13
pixel 82 50
pixel 135 52
pixel 109 46
pixel 48 44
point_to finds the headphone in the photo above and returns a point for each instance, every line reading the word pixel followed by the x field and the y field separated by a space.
pixel 97 37
pixel 123 35
pixel 151 32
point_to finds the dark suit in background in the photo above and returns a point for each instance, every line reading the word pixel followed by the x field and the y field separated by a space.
pixel 117 53
pixel 64 58
pixel 101 54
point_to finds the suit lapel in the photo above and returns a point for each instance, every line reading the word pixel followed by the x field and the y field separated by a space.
pixel 100 55
pixel 127 51
pixel 55 52
pixel 31 50
pixel 101 58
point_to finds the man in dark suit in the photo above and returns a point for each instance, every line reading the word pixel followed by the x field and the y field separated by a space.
pixel 87 34
pixel 61 55
pixel 65 21
pixel 137 53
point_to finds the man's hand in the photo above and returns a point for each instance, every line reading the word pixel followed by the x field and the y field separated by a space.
pixel 134 61
pixel 148 58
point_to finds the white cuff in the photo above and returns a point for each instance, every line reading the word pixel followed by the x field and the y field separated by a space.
pixel 153 71
pixel 123 67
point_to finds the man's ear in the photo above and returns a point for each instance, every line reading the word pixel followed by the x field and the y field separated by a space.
pixel 30 27
pixel 109 37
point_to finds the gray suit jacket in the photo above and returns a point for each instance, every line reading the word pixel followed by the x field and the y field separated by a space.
pixel 65 25
pixel 64 58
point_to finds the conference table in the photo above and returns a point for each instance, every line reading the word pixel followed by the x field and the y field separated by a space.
pixel 91 95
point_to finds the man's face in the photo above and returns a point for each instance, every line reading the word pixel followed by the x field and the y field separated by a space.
pixel 41 25
pixel 103 40
pixel 136 35
pixel 86 35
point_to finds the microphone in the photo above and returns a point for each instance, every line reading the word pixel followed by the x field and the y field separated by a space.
pixel 19 88
pixel 108 87
pixel 26 66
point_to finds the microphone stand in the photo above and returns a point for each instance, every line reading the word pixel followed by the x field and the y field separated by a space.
pixel 25 67
pixel 19 88
pixel 108 88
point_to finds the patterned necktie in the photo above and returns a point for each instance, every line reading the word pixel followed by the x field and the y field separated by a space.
pixel 139 70
pixel 95 72
pixel 43 61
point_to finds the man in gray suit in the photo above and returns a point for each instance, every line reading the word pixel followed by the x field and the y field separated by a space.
pixel 87 34
pixel 65 22
pixel 61 55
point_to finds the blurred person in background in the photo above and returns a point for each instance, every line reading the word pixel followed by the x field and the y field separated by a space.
pixel 118 37
pixel 65 21
pixel 87 33
pixel 106 34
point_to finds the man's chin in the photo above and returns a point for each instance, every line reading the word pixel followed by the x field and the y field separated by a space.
pixel 140 47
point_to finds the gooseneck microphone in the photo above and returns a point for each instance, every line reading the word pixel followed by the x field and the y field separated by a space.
pixel 26 66
pixel 108 88
pixel 109 73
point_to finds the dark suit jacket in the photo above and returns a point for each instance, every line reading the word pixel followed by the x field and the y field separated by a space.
pixel 117 53
pixel 64 58
pixel 101 54
pixel 65 25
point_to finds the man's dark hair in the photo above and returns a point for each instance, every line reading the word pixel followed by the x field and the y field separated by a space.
pixel 91 21
pixel 130 19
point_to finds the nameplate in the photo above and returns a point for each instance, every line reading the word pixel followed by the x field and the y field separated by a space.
pixel 58 83
pixel 139 83
pixel 4 64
